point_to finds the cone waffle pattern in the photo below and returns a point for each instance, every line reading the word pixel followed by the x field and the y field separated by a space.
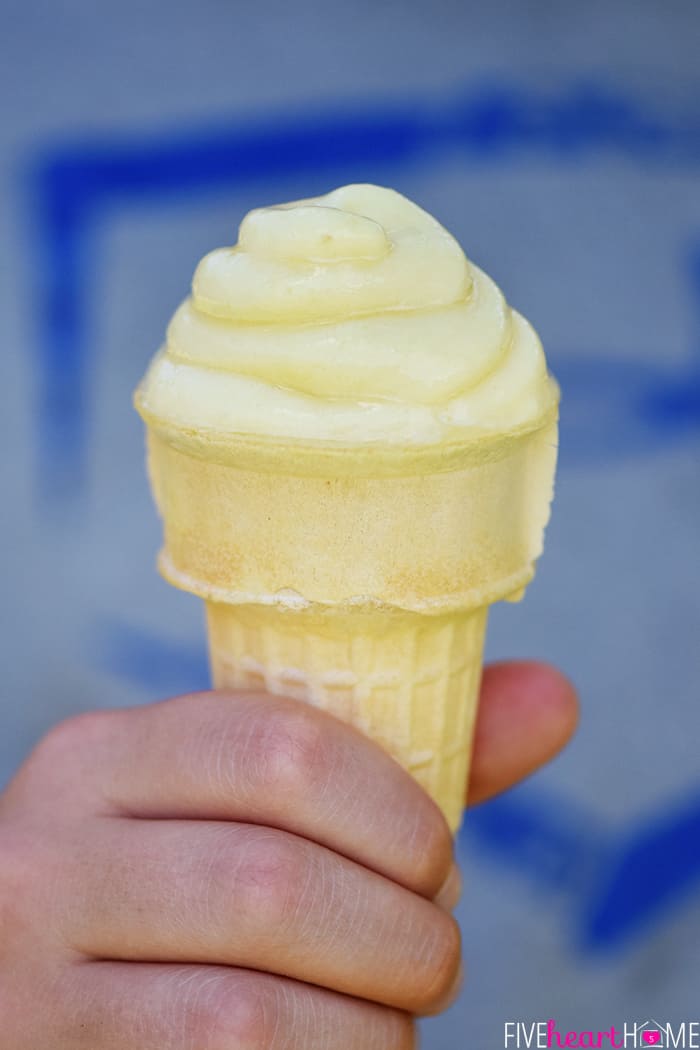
pixel 412 686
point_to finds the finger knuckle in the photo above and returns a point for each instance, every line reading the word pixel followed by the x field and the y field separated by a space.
pixel 230 1012
pixel 271 879
pixel 443 958
pixel 293 754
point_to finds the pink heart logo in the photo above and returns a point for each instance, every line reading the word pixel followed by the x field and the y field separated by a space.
pixel 651 1038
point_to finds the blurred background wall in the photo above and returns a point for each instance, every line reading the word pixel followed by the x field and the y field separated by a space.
pixel 561 143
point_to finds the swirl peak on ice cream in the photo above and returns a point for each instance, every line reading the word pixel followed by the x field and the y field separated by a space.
pixel 352 319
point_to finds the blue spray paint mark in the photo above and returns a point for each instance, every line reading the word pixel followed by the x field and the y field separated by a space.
pixel 159 665
pixel 617 408
pixel 618 884
pixel 78 186
pixel 654 868
pixel 548 844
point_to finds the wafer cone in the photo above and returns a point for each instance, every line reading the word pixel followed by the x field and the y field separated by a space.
pixel 409 681
pixel 358 580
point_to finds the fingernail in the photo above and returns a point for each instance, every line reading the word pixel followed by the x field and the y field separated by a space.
pixel 450 892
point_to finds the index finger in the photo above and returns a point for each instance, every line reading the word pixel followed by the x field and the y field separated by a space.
pixel 278 762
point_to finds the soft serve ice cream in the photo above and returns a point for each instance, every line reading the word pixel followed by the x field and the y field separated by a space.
pixel 353 317
pixel 352 441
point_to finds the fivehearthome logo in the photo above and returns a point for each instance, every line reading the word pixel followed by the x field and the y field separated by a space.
pixel 630 1035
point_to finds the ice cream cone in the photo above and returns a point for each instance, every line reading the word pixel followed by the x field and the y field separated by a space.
pixel 349 568
pixel 409 681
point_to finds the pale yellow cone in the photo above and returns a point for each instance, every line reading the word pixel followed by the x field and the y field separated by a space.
pixel 409 681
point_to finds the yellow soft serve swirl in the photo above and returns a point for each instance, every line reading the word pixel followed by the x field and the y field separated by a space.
pixel 350 318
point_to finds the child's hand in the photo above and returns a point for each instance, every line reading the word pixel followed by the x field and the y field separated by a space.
pixel 239 872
